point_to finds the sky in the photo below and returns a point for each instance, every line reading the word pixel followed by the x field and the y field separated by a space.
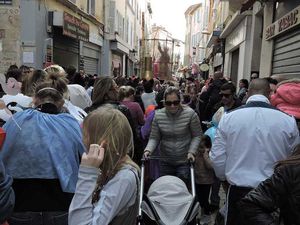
pixel 170 14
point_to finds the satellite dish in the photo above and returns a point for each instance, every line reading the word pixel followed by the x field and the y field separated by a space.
pixel 204 67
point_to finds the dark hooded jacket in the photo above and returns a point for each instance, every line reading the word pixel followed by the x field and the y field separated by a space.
pixel 282 191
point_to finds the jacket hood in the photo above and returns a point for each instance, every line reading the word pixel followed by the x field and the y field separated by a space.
pixel 287 97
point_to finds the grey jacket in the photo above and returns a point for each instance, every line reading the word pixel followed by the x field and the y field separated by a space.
pixel 7 196
pixel 178 134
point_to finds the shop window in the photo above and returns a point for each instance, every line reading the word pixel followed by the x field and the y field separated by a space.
pixel 5 2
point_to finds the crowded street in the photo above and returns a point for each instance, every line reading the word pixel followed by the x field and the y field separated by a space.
pixel 141 112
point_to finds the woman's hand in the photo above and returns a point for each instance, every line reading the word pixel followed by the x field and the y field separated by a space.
pixel 94 157
pixel 147 153
pixel 191 157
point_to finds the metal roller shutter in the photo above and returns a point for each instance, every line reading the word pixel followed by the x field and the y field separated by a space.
pixel 65 43
pixel 65 49
pixel 90 65
pixel 286 55
pixel 91 55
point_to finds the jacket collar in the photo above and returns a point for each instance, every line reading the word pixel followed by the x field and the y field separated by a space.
pixel 258 98
pixel 176 114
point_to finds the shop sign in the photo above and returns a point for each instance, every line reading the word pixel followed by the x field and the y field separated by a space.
pixel 285 23
pixel 75 28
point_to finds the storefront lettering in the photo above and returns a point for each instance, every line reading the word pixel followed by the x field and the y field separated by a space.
pixel 288 21
pixel 75 28
pixel 270 31
pixel 283 24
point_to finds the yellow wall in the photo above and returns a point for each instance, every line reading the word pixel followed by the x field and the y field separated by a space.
pixel 56 6
pixel 81 4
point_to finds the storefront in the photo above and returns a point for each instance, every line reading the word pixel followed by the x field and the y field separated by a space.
pixel 117 62
pixel 68 31
pixel 285 33
pixel 91 56
pixel 237 63
pixel 65 49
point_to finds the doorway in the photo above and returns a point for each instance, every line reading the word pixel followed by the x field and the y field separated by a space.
pixel 234 65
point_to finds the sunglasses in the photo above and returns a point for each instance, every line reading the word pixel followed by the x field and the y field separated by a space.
pixel 175 103
pixel 225 95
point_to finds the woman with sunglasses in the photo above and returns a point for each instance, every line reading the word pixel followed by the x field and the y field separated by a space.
pixel 177 129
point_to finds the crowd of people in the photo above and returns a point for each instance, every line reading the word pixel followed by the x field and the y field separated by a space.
pixel 74 143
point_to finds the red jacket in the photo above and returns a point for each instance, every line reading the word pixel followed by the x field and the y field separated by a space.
pixel 287 97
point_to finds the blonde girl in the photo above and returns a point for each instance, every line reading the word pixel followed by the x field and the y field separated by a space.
pixel 107 187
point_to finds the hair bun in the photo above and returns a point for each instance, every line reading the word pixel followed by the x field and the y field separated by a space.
pixel 54 76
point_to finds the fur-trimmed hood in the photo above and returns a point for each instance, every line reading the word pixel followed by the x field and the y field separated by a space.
pixel 287 97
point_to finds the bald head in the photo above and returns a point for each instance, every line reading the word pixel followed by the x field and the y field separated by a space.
pixel 259 87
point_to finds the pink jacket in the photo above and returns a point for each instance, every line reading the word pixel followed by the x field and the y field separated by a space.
pixel 287 97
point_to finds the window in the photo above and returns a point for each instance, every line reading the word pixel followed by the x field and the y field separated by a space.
pixel 198 16
pixel 6 2
pixel 91 8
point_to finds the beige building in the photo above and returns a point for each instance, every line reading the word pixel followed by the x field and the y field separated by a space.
pixel 99 36
pixel 262 37
pixel 194 39
pixel 10 30
pixel 40 33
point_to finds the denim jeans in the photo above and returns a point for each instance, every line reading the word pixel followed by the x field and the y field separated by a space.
pixel 39 218
pixel 181 171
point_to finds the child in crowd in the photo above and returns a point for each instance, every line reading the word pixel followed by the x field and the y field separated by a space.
pixel 204 177
pixel 107 187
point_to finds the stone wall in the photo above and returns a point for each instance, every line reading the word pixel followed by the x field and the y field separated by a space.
pixel 10 49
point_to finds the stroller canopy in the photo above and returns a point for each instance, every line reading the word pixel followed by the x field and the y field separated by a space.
pixel 170 198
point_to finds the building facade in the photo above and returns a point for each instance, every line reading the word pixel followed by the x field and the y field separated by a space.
pixel 98 36
pixel 194 39
pixel 68 33
pixel 262 37
pixel 10 34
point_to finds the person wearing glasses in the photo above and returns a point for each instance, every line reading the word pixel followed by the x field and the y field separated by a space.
pixel 177 129
pixel 229 100
pixel 248 142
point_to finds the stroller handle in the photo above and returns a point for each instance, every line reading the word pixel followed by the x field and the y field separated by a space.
pixel 141 187
pixel 192 172
pixel 190 162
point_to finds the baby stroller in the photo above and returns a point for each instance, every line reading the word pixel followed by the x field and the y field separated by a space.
pixel 168 201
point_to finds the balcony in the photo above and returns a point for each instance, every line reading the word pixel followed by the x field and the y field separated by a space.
pixel 214 37
pixel 234 22
pixel 242 5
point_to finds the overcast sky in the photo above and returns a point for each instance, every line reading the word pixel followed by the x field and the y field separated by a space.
pixel 170 14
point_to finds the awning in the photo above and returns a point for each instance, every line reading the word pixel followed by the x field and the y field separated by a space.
pixel 236 19
pixel 117 46
pixel 213 37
